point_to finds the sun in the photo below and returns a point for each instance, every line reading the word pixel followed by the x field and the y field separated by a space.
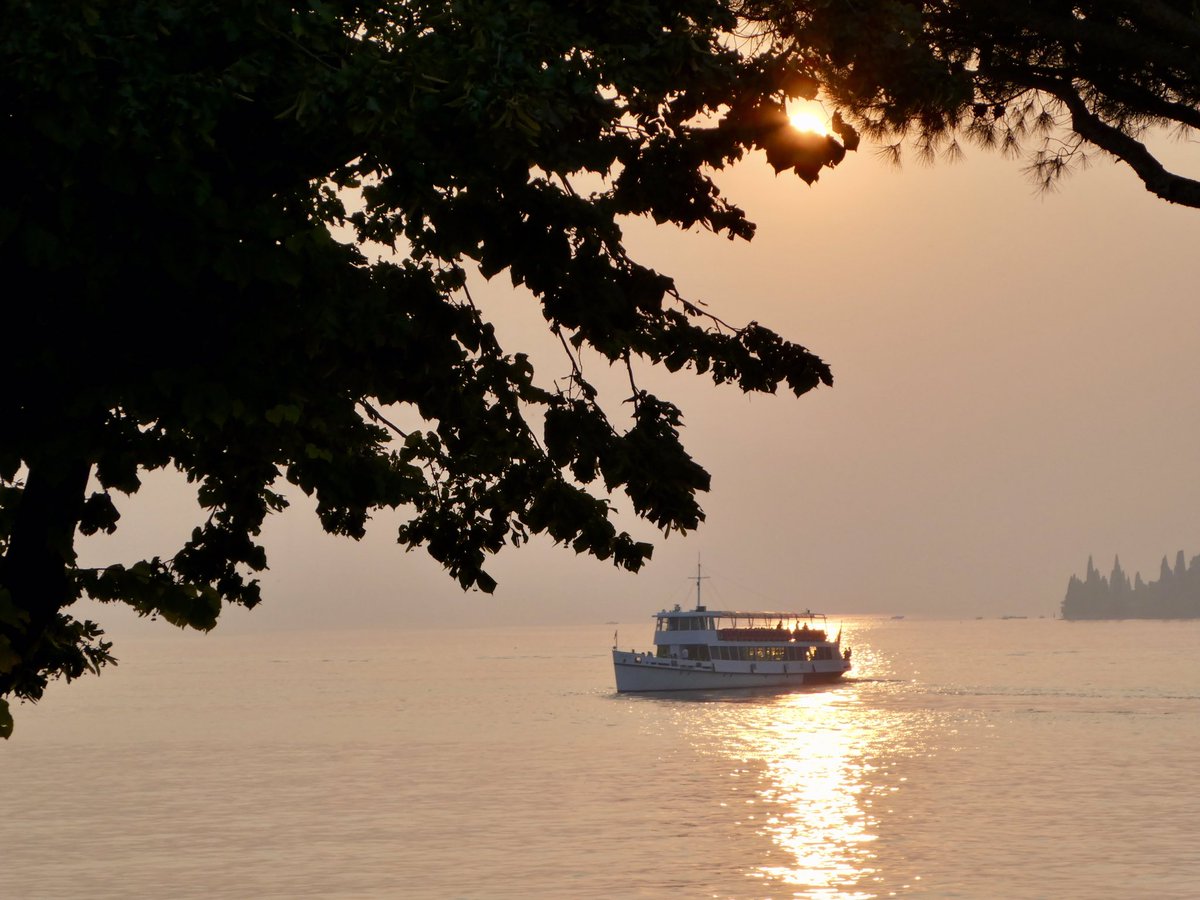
pixel 805 120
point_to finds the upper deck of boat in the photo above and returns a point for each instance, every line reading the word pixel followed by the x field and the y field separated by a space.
pixel 712 626
pixel 701 611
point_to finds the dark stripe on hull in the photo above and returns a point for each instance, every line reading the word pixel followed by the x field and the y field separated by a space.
pixel 682 679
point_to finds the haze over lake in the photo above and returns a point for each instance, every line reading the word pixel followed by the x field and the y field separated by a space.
pixel 974 759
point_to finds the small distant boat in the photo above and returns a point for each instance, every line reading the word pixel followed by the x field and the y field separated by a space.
pixel 705 649
pixel 1014 617
pixel 897 618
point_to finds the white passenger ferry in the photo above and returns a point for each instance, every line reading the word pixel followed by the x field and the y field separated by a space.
pixel 705 649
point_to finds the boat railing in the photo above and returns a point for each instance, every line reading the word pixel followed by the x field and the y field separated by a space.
pixel 777 635
pixel 670 662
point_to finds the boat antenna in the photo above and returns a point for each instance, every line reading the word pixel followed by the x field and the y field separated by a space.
pixel 698 578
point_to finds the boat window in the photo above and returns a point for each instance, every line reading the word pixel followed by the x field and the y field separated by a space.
pixel 759 654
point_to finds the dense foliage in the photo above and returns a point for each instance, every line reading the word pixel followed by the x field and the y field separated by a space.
pixel 178 171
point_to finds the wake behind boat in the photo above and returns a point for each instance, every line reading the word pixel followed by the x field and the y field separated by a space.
pixel 704 649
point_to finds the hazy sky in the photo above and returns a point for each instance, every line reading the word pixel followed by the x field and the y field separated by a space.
pixel 1015 382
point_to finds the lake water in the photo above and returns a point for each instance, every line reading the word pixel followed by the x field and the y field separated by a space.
pixel 979 759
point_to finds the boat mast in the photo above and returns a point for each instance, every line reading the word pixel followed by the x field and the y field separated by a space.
pixel 698 578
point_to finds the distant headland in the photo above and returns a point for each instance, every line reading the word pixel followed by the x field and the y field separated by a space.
pixel 1176 594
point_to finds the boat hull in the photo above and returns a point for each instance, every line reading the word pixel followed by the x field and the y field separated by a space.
pixel 642 673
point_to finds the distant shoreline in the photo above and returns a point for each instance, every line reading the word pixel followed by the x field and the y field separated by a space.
pixel 1174 596
pixel 1129 616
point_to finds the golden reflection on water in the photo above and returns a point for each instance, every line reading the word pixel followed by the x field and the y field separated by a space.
pixel 817 766
pixel 813 790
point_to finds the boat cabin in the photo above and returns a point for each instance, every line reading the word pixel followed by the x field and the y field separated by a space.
pixel 701 634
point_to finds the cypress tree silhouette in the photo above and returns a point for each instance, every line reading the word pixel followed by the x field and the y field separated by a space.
pixel 1175 595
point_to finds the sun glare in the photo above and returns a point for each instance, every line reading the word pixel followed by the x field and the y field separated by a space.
pixel 805 120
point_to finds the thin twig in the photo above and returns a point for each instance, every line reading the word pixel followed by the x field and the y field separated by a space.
pixel 376 416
